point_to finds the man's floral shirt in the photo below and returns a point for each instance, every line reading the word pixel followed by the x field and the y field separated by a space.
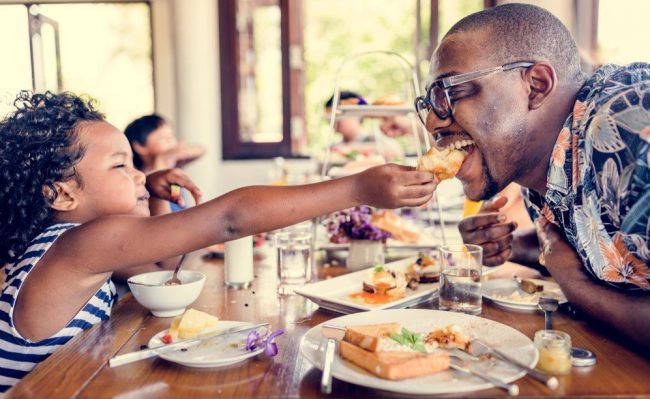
pixel 598 187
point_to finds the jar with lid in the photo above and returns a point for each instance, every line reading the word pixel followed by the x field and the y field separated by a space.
pixel 554 351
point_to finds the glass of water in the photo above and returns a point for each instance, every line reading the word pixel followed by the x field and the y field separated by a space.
pixel 294 257
pixel 460 278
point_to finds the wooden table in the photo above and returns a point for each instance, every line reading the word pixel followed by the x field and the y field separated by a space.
pixel 80 370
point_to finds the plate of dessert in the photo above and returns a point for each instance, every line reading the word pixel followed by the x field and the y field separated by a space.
pixel 509 294
pixel 413 351
pixel 394 285
pixel 215 352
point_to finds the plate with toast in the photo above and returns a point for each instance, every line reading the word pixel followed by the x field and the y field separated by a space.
pixel 386 287
pixel 413 351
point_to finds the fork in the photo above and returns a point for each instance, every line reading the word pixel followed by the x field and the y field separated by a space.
pixel 174 280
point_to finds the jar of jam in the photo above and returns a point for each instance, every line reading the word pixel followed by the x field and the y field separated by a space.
pixel 554 351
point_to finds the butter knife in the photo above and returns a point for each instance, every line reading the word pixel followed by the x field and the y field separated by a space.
pixel 512 389
pixel 333 334
pixel 131 357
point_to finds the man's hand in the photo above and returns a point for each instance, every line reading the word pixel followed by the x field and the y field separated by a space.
pixel 159 184
pixel 393 186
pixel 560 258
pixel 489 229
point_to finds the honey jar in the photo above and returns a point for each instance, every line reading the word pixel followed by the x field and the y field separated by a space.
pixel 554 351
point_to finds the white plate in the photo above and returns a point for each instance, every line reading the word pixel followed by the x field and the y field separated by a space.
pixel 218 352
pixel 333 294
pixel 502 337
pixel 495 289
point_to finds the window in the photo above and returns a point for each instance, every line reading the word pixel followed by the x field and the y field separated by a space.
pixel 279 60
pixel 102 50
pixel 623 31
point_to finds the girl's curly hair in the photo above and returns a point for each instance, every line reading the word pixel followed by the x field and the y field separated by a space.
pixel 38 147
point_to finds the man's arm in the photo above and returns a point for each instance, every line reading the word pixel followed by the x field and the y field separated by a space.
pixel 624 312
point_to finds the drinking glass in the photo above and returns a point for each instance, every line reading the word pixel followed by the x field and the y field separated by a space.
pixel 460 278
pixel 294 247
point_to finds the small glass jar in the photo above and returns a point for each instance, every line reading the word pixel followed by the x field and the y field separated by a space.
pixel 554 351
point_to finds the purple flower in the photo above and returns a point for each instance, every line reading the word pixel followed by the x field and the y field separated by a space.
pixel 267 340
pixel 354 223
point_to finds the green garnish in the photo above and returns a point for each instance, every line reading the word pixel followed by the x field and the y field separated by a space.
pixel 353 155
pixel 379 268
pixel 412 340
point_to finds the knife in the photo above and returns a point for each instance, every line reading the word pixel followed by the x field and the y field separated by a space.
pixel 131 357
pixel 333 334
pixel 478 348
pixel 512 389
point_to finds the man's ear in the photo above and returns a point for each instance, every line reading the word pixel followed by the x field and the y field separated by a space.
pixel 65 198
pixel 541 79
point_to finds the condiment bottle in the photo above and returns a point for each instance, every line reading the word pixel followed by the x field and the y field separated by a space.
pixel 238 259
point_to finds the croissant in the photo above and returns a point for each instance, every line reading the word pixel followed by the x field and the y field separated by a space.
pixel 444 164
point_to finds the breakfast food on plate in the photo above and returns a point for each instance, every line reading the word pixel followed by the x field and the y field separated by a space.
pixel 448 337
pixel 190 324
pixel 444 164
pixel 383 285
pixel 390 100
pixel 427 267
pixel 392 352
pixel 400 228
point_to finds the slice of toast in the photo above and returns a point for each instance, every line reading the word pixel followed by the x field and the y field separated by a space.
pixel 369 336
pixel 395 365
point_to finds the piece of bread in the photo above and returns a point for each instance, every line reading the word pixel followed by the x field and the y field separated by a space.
pixel 395 365
pixel 369 336
pixel 190 324
pixel 444 164
pixel 399 228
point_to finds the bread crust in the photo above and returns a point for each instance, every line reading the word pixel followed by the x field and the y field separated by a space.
pixel 368 336
pixel 395 365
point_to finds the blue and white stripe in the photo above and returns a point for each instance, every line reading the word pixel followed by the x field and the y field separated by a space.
pixel 18 356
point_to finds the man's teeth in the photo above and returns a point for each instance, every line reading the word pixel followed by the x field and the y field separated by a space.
pixel 460 144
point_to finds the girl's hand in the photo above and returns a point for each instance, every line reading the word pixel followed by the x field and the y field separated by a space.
pixel 159 184
pixel 393 186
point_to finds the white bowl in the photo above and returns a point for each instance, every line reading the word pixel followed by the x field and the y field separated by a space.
pixel 170 300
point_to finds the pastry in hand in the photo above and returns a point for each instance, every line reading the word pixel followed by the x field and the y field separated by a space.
pixel 444 164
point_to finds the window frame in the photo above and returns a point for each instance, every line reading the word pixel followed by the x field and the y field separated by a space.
pixel 232 146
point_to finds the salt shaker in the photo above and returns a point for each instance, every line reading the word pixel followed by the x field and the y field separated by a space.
pixel 239 262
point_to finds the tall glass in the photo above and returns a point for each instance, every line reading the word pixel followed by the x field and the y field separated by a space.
pixel 294 247
pixel 460 278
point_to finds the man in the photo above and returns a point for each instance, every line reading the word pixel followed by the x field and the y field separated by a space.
pixel 508 78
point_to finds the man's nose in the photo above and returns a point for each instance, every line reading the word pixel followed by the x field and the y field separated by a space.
pixel 434 123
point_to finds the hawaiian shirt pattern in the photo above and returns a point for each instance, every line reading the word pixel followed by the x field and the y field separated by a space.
pixel 598 186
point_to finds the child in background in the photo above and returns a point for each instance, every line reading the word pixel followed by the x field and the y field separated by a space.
pixel 155 146
pixel 74 210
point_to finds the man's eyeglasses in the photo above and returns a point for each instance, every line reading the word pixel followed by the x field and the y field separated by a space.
pixel 437 96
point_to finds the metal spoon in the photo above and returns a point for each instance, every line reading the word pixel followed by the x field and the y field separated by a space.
pixel 548 305
pixel 175 280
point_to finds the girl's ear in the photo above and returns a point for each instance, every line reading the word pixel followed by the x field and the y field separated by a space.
pixel 65 199
pixel 541 79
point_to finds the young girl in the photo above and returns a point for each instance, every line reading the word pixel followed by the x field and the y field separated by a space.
pixel 74 210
